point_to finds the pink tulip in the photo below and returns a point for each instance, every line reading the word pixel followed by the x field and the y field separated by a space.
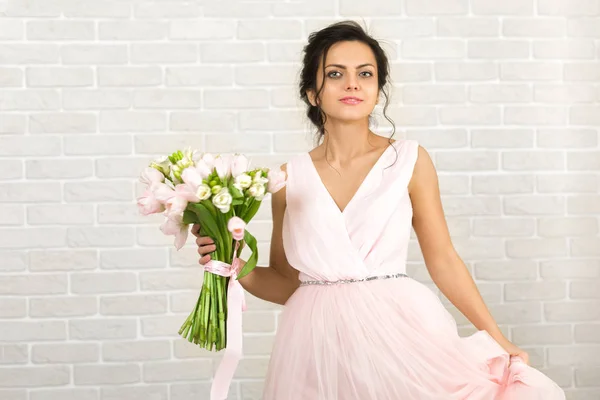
pixel 239 165
pixel 192 177
pixel 175 205
pixel 203 169
pixel 173 225
pixel 223 165
pixel 162 191
pixel 148 204
pixel 276 180
pixel 150 175
pixel 236 226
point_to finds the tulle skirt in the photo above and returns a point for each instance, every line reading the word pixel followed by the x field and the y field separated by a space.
pixel 389 339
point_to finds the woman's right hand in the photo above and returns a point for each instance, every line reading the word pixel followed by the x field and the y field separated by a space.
pixel 206 245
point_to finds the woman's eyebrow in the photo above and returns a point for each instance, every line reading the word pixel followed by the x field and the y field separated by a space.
pixel 344 67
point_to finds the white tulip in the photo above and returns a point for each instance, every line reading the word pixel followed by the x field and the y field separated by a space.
pixel 243 180
pixel 257 190
pixel 222 200
pixel 203 192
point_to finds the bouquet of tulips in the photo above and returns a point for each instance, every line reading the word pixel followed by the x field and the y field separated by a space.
pixel 221 195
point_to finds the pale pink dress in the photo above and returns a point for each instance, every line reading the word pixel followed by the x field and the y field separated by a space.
pixel 387 339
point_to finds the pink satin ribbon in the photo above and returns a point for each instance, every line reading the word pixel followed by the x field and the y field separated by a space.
pixel 236 303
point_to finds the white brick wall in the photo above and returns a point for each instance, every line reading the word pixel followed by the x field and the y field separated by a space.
pixel 504 94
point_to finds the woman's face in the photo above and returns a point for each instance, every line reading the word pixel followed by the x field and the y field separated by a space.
pixel 350 71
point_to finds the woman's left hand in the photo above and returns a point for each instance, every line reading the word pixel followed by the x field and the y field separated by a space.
pixel 514 351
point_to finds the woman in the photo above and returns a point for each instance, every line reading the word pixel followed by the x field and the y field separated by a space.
pixel 355 326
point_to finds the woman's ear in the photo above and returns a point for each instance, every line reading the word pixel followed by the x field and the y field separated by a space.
pixel 310 94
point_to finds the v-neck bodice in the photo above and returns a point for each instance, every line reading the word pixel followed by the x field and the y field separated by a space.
pixel 357 193
pixel 369 237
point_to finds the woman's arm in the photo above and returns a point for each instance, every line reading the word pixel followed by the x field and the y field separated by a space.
pixel 445 266
pixel 277 282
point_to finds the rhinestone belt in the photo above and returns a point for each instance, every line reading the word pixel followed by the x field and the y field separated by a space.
pixel 369 278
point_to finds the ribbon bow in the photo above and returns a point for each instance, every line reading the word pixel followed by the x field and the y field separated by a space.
pixel 236 303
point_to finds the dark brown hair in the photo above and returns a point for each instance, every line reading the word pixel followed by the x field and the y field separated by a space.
pixel 316 50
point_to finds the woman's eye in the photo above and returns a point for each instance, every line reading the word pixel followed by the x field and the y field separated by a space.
pixel 336 72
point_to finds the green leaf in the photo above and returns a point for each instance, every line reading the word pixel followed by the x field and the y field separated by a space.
pixel 189 217
pixel 206 220
pixel 251 263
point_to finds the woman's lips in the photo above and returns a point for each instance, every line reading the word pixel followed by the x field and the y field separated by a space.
pixel 351 101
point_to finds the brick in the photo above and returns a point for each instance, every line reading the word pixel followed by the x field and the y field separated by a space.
pixel 62 260
pixel 582 71
pixel 100 236
pixel 504 227
pixel 16 331
pixel 19 54
pixel 567 226
pixel 567 183
pixel 574 356
pixel 55 375
pixel 587 332
pixel 170 280
pixel 565 269
pixel 110 99
pixel 113 374
pixel 568 138
pixel 529 160
pixel 405 28
pixel 133 30
pixel 64 394
pixel 584 290
pixel 467 27
pixel 470 205
pixel 105 282
pixel 133 304
pixel 534 27
pixel 125 121
pixel 146 392
pixel 543 290
pixel 98 191
pixel 75 306
pixel 542 335
pixel 510 7
pixel 436 7
pixel 11 123
pixel 93 54
pixel 121 76
pixel 11 77
pixel 433 94
pixel 133 258
pixel 472 160
pixel 502 184
pixel 100 145
pixel 102 329
pixel 59 76
pixel 33 284
pixel 64 353
pixel 59 30
pixel 505 270
pixel 534 248
pixel 568 7
pixel 531 71
pixel 432 49
pixel 151 53
pixel 13 307
pixel 584 115
pixel 585 204
pixel 159 10
pixel 503 93
pixel 33 100
pixel 468 115
pixel 136 351
pixel 502 138
pixel 170 371
pixel 14 354
pixel 534 205
pixel 578 311
pixel 564 49
pixel 498 49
